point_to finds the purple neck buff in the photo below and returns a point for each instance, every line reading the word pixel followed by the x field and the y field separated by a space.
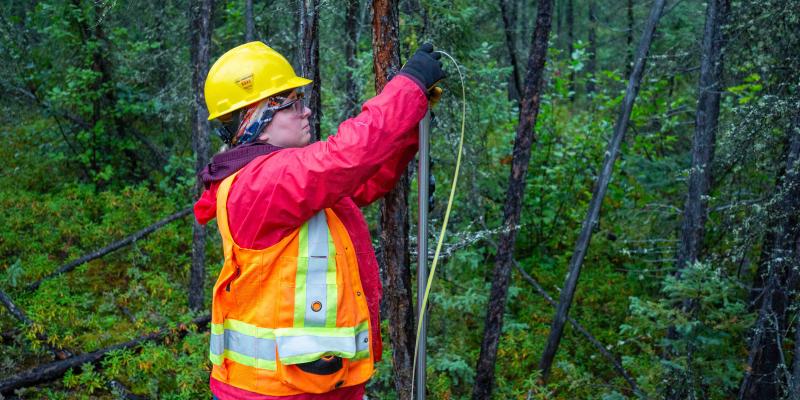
pixel 226 164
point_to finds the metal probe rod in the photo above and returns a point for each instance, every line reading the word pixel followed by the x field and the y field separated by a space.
pixel 422 245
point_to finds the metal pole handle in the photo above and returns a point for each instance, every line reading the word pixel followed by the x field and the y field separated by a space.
pixel 422 245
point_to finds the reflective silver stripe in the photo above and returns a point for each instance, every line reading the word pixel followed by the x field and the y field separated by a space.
pixel 362 340
pixel 316 289
pixel 289 346
pixel 243 344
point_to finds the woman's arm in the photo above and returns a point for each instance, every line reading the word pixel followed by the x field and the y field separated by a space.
pixel 280 191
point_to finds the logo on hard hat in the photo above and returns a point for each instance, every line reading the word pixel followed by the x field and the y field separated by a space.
pixel 316 306
pixel 246 82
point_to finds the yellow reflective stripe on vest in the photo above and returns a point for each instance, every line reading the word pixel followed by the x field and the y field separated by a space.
pixel 244 343
pixel 256 347
pixel 315 297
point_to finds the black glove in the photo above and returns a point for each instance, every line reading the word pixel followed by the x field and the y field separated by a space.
pixel 425 66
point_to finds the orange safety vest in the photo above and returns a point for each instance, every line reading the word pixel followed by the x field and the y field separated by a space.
pixel 291 318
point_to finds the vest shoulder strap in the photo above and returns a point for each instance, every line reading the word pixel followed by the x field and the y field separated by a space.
pixel 222 212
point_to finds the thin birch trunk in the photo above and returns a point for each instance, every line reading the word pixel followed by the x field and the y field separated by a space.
pixel 601 186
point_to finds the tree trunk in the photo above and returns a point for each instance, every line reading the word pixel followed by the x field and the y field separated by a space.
pixel 629 40
pixel 57 351
pixel 309 27
pixel 508 28
pixel 394 213
pixel 249 22
pixel 571 45
pixel 700 176
pixel 591 65
pixel 351 28
pixel 706 118
pixel 766 375
pixel 525 136
pixel 601 186
pixel 200 32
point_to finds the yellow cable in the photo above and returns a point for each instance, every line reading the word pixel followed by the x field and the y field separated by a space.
pixel 444 223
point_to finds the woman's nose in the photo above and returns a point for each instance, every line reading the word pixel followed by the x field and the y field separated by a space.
pixel 306 112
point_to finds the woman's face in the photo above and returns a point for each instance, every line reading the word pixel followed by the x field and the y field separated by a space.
pixel 289 127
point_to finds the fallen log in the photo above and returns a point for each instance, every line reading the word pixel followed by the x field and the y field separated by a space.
pixel 122 392
pixel 112 247
pixel 54 370
pixel 58 352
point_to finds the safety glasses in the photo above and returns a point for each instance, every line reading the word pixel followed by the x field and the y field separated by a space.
pixel 226 129
pixel 298 104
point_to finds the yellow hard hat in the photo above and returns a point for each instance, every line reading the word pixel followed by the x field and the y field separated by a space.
pixel 245 75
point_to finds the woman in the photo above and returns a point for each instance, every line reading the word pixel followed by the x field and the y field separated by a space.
pixel 295 307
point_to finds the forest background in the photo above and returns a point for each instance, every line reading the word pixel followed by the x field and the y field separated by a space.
pixel 678 266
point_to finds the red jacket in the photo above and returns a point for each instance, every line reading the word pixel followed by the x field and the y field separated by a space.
pixel 276 193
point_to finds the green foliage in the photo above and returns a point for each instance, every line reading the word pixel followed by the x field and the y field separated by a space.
pixel 708 327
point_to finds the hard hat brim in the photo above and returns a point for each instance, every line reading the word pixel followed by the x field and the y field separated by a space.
pixel 292 83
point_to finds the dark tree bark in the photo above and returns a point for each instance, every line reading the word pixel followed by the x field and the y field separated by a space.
pixel 111 248
pixel 525 136
pixel 309 29
pixel 508 29
pixel 706 119
pixel 249 22
pixel 394 213
pixel 200 31
pixel 591 65
pixel 601 186
pixel 695 208
pixel 629 40
pixel 58 352
pixel 351 28
pixel 571 45
pixel 767 375
pixel 52 371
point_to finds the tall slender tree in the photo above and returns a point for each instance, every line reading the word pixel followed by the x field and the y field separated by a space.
pixel 767 375
pixel 706 122
pixel 591 65
pixel 200 31
pixel 394 212
pixel 525 136
pixel 352 30
pixel 571 45
pixel 509 27
pixel 629 39
pixel 700 175
pixel 309 39
pixel 600 188
pixel 249 22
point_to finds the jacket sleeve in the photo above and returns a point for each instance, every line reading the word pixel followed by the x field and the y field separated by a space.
pixel 285 188
pixel 389 173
